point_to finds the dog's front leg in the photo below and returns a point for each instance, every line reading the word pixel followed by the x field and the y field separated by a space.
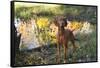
pixel 58 53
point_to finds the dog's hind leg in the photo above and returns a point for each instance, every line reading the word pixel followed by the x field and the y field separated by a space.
pixel 65 52
pixel 74 50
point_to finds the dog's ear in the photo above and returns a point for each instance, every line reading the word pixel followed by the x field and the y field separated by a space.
pixel 65 24
pixel 55 22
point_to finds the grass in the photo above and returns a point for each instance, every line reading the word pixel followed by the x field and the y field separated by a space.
pixel 47 54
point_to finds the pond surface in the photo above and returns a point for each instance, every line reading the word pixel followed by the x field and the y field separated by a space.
pixel 28 34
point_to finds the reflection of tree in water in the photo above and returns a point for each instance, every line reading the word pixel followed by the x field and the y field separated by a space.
pixel 28 35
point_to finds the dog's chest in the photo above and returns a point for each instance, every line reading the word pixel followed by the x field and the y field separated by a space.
pixel 61 38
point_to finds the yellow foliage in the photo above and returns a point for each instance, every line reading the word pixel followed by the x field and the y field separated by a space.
pixel 42 22
pixel 74 25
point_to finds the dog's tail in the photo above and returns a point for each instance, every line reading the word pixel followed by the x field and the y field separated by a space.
pixel 73 30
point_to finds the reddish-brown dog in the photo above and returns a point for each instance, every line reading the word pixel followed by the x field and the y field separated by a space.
pixel 63 37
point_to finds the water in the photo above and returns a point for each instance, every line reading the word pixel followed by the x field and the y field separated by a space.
pixel 28 35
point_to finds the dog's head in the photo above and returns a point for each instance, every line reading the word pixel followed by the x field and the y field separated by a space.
pixel 60 21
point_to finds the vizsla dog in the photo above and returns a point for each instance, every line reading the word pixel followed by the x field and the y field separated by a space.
pixel 63 37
